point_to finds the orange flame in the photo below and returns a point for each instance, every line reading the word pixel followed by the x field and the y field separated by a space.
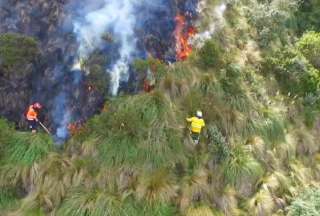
pixel 75 128
pixel 183 47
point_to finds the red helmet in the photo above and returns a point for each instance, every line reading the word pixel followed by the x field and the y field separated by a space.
pixel 37 105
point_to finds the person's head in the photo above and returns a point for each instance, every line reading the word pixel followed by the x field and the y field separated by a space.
pixel 37 106
pixel 199 114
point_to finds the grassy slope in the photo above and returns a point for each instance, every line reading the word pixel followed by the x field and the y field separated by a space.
pixel 136 158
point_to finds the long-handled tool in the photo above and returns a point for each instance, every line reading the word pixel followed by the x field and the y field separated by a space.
pixel 44 127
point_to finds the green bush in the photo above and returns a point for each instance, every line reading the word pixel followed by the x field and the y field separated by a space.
pixel 293 73
pixel 16 51
pixel 309 46
pixel 218 146
pixel 272 20
pixel 308 16
pixel 141 66
pixel 307 204
pixel 98 78
pixel 210 55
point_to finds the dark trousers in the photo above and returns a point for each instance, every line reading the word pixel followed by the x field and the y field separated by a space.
pixel 195 137
pixel 33 125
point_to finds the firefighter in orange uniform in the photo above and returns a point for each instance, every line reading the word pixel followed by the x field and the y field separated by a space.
pixel 32 116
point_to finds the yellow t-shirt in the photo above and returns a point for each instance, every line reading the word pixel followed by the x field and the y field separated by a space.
pixel 196 124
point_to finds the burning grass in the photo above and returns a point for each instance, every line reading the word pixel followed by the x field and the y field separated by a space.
pixel 183 34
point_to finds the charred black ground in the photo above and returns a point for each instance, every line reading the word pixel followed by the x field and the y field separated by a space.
pixel 53 81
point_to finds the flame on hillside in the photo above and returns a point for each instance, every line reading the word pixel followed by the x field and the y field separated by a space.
pixel 183 34
pixel 76 128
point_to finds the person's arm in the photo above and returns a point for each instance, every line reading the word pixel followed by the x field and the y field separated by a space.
pixel 189 119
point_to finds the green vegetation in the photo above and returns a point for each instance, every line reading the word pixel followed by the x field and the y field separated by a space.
pixel 16 52
pixel 210 54
pixel 97 76
pixel 309 46
pixel 307 16
pixel 257 82
pixel 307 204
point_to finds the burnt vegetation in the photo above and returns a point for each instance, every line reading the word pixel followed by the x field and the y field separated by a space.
pixel 254 71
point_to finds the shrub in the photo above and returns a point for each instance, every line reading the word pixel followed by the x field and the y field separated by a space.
pixel 309 46
pixel 97 76
pixel 307 204
pixel 308 16
pixel 16 51
pixel 218 145
pixel 271 19
pixel 293 73
pixel 141 66
pixel 210 54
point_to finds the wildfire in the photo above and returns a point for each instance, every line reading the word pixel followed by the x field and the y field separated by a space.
pixel 75 128
pixel 183 33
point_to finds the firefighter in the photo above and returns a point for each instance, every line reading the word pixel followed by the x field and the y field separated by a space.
pixel 32 116
pixel 197 124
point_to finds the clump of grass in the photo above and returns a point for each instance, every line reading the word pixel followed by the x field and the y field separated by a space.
pixel 261 204
pixel 227 202
pixel 22 153
pixel 27 149
pixel 306 144
pixel 133 208
pixel 195 189
pixel 95 202
pixel 234 93
pixel 8 198
pixel 239 164
pixel 271 129
pixel 209 85
pixel 157 186
pixel 203 211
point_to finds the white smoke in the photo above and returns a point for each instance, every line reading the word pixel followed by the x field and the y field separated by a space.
pixel 117 16
pixel 217 22
pixel 61 116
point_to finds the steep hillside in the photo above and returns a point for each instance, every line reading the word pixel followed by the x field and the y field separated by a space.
pixel 254 71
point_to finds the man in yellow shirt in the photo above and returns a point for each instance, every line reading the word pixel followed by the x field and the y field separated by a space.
pixel 197 124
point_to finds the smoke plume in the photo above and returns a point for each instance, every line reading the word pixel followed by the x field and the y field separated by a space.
pixel 70 32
